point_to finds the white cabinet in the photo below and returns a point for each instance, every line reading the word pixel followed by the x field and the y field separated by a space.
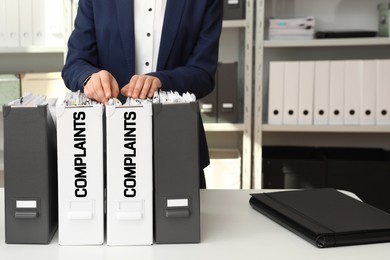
pixel 330 15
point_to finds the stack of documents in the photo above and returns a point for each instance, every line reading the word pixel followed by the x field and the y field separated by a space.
pixel 332 92
pixel 291 28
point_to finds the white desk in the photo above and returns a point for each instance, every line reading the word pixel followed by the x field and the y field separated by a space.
pixel 231 229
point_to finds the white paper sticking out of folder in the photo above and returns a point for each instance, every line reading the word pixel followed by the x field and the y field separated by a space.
pixel 165 97
pixel 77 99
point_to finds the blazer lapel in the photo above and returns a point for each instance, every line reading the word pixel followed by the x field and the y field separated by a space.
pixel 172 19
pixel 125 11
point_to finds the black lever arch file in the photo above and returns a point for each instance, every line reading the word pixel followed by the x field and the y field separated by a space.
pixel 30 174
pixel 176 173
pixel 325 217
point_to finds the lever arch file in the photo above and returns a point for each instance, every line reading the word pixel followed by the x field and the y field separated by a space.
pixel 382 111
pixel 290 93
pixel 80 174
pixel 352 87
pixel 305 93
pixel 39 22
pixel 368 92
pixel 321 92
pixel 325 217
pixel 233 9
pixel 336 92
pixel 25 22
pixel 12 37
pixel 176 172
pixel 227 80
pixel 276 92
pixel 30 174
pixel 208 107
pixel 129 147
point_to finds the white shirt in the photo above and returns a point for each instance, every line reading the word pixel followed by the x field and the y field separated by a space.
pixel 148 22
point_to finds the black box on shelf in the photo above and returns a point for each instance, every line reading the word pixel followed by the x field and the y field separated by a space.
pixel 363 171
pixel 227 96
pixel 293 167
pixel 208 107
pixel 233 9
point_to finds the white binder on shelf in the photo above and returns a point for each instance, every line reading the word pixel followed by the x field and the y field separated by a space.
pixel 26 20
pixel 306 90
pixel 368 92
pixel 3 25
pixel 12 23
pixel 383 93
pixel 290 94
pixel 336 92
pixel 321 92
pixel 80 174
pixel 275 93
pixel 39 22
pixel 129 146
pixel 353 70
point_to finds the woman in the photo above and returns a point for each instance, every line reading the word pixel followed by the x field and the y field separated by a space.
pixel 131 48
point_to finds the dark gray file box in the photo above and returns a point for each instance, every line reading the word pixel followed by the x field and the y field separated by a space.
pixel 227 81
pixel 208 107
pixel 233 9
pixel 30 175
pixel 176 173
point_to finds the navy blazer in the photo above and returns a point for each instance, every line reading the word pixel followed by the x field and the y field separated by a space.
pixel 103 38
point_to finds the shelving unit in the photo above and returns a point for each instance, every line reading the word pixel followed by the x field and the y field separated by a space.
pixel 236 45
pixel 330 15
pixel 31 59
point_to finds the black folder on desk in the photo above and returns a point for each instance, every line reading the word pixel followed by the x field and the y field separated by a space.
pixel 325 217
pixel 176 173
pixel 30 174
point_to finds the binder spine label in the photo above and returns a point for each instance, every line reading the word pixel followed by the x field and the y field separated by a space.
pixel 80 165
pixel 130 166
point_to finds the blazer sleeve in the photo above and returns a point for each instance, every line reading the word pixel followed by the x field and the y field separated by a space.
pixel 81 60
pixel 193 61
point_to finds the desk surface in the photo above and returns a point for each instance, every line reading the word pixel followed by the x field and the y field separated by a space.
pixel 230 229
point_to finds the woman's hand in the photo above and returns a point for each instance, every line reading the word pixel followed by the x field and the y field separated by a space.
pixel 141 86
pixel 101 86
